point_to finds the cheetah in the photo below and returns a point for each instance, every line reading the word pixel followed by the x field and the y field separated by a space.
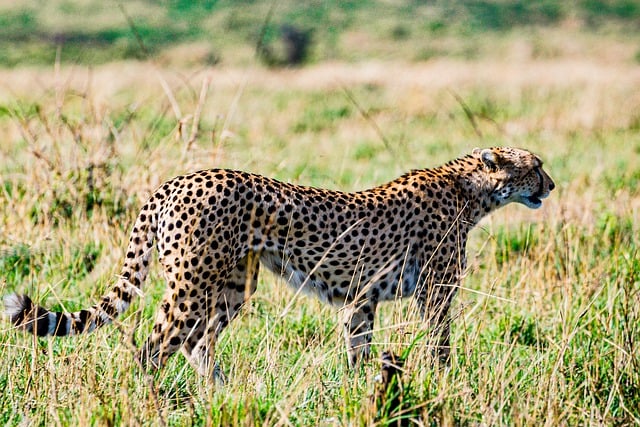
pixel 215 228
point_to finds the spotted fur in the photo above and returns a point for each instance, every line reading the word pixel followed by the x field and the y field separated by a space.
pixel 215 228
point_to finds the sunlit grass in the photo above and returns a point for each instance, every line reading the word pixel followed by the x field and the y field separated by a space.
pixel 546 324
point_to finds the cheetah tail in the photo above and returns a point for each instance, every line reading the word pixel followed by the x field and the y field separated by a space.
pixel 26 315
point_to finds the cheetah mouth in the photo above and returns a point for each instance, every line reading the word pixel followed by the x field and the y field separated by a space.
pixel 533 201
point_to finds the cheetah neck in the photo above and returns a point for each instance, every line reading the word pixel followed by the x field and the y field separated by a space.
pixel 467 181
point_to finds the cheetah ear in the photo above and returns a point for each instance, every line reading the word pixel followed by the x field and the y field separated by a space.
pixel 488 157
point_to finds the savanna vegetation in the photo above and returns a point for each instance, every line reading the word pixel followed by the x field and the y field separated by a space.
pixel 101 102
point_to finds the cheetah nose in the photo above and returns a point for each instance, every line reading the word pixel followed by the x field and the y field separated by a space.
pixel 551 186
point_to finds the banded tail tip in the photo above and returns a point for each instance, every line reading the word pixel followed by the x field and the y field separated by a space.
pixel 18 308
pixel 24 314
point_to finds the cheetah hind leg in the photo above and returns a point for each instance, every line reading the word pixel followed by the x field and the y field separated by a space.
pixel 199 347
pixel 165 339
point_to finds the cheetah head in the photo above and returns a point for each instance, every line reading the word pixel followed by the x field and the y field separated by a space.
pixel 516 176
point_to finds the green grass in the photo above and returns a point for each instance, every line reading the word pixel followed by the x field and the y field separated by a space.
pixel 547 324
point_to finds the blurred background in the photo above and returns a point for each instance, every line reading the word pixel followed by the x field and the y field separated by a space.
pixel 288 32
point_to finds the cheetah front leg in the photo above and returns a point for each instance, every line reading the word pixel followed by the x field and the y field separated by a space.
pixel 358 329
pixel 434 308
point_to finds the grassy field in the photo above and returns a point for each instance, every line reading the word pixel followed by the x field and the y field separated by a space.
pixel 547 323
